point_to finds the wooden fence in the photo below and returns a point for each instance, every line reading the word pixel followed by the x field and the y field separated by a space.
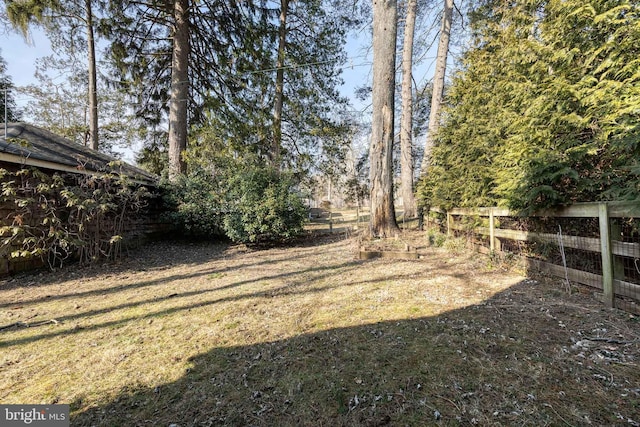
pixel 603 240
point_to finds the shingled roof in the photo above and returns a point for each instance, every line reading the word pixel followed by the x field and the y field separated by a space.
pixel 30 145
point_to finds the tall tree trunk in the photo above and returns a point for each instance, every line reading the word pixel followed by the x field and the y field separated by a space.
pixel 438 84
pixel 276 144
pixel 406 123
pixel 93 86
pixel 179 89
pixel 383 218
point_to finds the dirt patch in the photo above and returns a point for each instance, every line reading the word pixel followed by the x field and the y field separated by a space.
pixel 216 334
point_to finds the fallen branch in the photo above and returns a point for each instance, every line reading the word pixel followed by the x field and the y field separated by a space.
pixel 610 340
pixel 16 324
pixel 28 325
pixel 43 322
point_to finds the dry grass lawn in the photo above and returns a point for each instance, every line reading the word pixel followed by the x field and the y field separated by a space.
pixel 217 334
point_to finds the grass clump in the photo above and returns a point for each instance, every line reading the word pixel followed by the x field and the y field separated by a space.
pixel 455 244
pixel 436 238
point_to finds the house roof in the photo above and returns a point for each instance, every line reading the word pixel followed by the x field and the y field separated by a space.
pixel 30 145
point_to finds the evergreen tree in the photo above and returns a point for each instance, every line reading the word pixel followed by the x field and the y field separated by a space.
pixel 64 22
pixel 58 103
pixel 314 121
pixel 278 103
pixel 180 52
pixel 287 106
pixel 544 112
pixel 174 57
pixel 6 96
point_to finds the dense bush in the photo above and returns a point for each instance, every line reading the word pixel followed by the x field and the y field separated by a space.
pixel 263 205
pixel 246 203
pixel 194 205
pixel 55 217
pixel 544 111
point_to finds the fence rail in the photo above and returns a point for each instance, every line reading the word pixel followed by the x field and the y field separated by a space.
pixel 603 241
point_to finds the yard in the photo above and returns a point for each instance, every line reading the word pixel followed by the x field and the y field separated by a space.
pixel 220 334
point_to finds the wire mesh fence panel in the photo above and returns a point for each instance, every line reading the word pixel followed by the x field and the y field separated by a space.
pixel 568 245
pixel 625 233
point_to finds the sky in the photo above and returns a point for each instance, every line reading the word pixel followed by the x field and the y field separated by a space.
pixel 21 56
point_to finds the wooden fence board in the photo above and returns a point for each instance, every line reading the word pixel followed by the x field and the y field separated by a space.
pixel 575 242
pixel 578 276
pixel 625 249
pixel 478 211
pixel 624 209
pixel 611 250
pixel 626 289
pixel 621 288
pixel 578 210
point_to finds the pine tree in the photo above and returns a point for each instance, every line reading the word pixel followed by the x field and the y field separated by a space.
pixel 7 98
pixel 61 20
pixel 288 106
pixel 178 125
pixel 314 120
pixel 278 103
pixel 178 55
pixel 57 102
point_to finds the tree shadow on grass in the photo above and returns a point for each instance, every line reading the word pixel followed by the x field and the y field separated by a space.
pixel 510 360
pixel 207 297
pixel 157 255
pixel 161 255
pixel 288 289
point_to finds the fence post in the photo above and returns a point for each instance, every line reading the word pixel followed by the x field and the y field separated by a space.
pixel 607 259
pixel 618 265
pixel 449 219
pixel 427 215
pixel 330 218
pixel 492 234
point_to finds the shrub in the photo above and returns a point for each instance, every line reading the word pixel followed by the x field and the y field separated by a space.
pixel 263 205
pixel 61 216
pixel 435 237
pixel 194 205
pixel 455 244
pixel 246 203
